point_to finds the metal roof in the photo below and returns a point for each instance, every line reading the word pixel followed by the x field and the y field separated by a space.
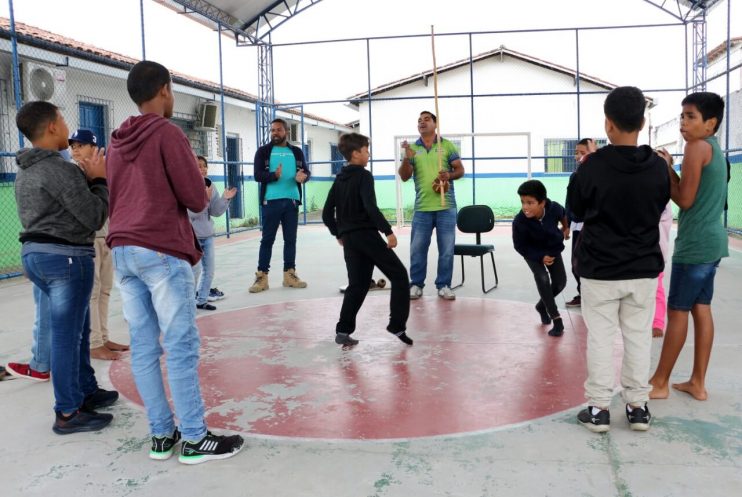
pixel 251 21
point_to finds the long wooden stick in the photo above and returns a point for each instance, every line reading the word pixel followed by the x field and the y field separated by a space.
pixel 437 114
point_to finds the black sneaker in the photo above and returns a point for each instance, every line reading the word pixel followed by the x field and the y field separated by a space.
pixel 558 329
pixel 639 417
pixel 206 307
pixel 600 422
pixel 345 340
pixel 215 294
pixel 402 336
pixel 80 421
pixel 163 447
pixel 209 448
pixel 99 399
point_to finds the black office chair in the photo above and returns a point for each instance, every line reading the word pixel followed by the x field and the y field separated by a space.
pixel 476 219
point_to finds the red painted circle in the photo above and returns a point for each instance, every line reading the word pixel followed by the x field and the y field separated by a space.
pixel 476 364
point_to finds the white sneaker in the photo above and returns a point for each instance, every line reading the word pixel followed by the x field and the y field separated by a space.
pixel 415 292
pixel 446 293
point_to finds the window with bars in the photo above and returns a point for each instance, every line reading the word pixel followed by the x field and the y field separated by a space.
pixel 197 138
pixel 560 154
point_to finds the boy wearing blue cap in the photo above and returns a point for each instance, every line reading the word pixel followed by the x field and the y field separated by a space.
pixel 83 144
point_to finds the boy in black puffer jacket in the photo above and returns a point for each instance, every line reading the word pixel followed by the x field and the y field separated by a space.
pixel 538 238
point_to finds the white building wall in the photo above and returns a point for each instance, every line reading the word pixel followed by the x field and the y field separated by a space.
pixel 544 116
pixel 86 81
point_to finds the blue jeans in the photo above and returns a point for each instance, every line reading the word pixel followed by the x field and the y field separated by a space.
pixel 423 223
pixel 42 333
pixel 285 212
pixel 203 272
pixel 67 283
pixel 158 297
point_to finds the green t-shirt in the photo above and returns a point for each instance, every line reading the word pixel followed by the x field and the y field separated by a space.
pixel 425 170
pixel 285 187
pixel 701 235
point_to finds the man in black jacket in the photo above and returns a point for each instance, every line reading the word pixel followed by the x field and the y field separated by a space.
pixel 352 216
pixel 280 168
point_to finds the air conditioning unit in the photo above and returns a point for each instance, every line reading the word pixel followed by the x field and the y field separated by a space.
pixel 206 119
pixel 43 82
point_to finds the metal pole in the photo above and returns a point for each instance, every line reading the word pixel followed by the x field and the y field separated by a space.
pixel 306 164
pixel 687 83
pixel 223 130
pixel 16 68
pixel 368 83
pixel 728 101
pixel 577 79
pixel 471 100
pixel 141 17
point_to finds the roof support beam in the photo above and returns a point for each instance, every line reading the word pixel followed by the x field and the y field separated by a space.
pixel 700 61
pixel 216 15
pixel 279 12
pixel 265 110
pixel 684 10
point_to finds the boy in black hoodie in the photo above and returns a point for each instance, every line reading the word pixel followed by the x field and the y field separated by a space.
pixel 538 238
pixel 619 195
pixel 352 216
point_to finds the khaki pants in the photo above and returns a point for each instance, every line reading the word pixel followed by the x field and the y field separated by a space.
pixel 607 307
pixel 101 293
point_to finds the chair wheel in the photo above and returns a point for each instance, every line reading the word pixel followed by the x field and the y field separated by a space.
pixel 381 283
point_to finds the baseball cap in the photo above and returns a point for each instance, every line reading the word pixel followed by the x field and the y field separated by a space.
pixel 83 136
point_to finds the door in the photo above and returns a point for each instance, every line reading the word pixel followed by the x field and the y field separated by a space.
pixel 336 158
pixel 93 117
pixel 234 176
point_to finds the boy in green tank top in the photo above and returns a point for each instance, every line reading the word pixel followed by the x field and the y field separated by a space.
pixel 701 242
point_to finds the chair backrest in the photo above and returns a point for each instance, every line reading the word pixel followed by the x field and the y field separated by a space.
pixel 475 219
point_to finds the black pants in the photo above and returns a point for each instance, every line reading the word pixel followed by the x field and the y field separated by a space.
pixel 363 250
pixel 550 281
pixel 575 244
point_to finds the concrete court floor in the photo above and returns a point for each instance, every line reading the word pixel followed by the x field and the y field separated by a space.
pixel 693 448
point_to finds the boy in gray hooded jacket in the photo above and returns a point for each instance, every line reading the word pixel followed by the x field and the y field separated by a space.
pixel 203 226
pixel 60 207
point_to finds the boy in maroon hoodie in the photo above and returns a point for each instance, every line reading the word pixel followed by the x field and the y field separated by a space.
pixel 154 180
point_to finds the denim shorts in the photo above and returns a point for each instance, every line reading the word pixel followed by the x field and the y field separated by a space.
pixel 691 284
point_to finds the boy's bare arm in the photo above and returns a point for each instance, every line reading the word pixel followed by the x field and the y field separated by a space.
pixel 683 189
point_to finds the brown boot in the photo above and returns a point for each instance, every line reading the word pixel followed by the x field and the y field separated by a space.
pixel 261 282
pixel 290 279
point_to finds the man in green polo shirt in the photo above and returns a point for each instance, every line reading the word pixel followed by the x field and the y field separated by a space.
pixel 421 162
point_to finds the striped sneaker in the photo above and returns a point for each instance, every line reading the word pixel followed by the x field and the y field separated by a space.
pixel 163 447
pixel 209 448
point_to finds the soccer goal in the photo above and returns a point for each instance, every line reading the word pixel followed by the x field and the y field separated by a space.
pixel 486 157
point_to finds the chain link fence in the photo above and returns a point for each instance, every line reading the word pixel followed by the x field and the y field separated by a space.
pixel 546 83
